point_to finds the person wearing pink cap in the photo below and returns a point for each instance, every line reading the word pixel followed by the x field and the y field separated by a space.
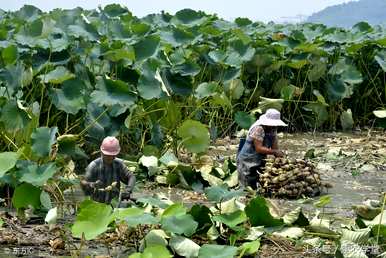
pixel 104 175
pixel 261 141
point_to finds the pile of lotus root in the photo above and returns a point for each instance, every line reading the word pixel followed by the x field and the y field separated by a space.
pixel 290 178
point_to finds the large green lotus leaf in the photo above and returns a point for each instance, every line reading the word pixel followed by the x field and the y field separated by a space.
pixel 338 90
pixel 45 200
pixel 351 75
pixel 339 67
pixel 318 70
pixel 13 117
pixel 221 193
pixel 7 161
pixel 156 237
pixel 68 145
pixel 155 251
pixel 232 219
pixel 380 57
pixel 184 246
pixel 188 68
pixel 267 103
pixel 244 120
pixel 244 51
pixel 37 175
pixel 9 54
pixel 217 251
pixel 233 58
pixel 230 73
pixel 178 84
pixel 258 213
pixel 221 100
pixel 25 195
pixel 218 56
pixel 234 89
pixel 71 97
pixel 99 123
pixel 206 89
pixel 42 140
pixel 181 224
pixel 116 55
pixel 92 220
pixel 146 48
pixel 195 136
pixel 153 201
pixel 249 248
pixel 320 112
pixel 201 214
pixel 28 13
pixel 133 216
pixel 175 209
pixel 13 76
pixel 114 10
pixel 81 30
pixel 139 28
pixel 189 17
pixel 346 120
pixel 149 87
pixel 177 37
pixel 113 92
pixel 57 76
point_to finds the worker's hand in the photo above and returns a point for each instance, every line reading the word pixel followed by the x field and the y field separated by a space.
pixel 96 184
pixel 278 153
pixel 125 196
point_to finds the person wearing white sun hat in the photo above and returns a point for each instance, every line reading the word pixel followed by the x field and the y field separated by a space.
pixel 261 141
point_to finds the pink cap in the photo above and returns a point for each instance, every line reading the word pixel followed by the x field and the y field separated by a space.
pixel 110 146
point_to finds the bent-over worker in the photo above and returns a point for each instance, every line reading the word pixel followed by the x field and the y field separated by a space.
pixel 261 141
pixel 104 175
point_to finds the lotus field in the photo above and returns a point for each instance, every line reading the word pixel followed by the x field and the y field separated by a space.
pixel 178 91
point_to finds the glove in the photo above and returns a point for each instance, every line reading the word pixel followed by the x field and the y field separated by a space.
pixel 125 196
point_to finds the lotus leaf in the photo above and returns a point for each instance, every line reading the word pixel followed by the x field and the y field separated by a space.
pixel 195 136
pixel 7 161
pixel 217 251
pixel 92 220
pixel 42 140
pixel 258 213
pixel 26 195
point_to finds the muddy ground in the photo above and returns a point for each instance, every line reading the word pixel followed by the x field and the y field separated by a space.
pixel 354 163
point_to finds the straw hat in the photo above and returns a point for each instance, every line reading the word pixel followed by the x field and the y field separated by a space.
pixel 271 118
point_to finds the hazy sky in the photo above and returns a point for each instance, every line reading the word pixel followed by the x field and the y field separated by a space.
pixel 262 10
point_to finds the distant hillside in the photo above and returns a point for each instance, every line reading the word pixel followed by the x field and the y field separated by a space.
pixel 348 14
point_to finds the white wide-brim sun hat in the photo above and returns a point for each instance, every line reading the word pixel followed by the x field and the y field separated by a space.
pixel 271 118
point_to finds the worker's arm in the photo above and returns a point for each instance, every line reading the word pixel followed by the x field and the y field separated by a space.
pixel 90 181
pixel 259 148
pixel 127 178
